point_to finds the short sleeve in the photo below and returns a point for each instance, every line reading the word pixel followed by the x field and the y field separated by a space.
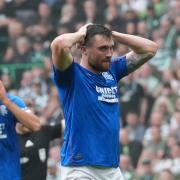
pixel 119 67
pixel 62 78
pixel 18 101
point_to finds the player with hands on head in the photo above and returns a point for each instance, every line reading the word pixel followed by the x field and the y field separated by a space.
pixel 89 97
pixel 12 110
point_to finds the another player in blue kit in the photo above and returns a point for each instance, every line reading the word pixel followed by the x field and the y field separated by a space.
pixel 89 97
pixel 12 110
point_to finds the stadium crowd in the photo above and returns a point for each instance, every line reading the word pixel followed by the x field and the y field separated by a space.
pixel 150 98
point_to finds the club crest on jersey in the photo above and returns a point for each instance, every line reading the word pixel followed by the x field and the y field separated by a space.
pixel 3 110
pixel 107 75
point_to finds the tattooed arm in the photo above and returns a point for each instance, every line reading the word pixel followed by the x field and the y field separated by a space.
pixel 142 49
pixel 134 60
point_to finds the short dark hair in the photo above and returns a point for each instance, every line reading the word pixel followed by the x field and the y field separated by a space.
pixel 96 29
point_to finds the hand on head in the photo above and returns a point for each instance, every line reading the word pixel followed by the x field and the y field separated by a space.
pixel 82 31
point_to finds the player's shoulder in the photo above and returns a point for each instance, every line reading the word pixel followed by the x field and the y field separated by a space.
pixel 17 100
pixel 119 58
pixel 14 98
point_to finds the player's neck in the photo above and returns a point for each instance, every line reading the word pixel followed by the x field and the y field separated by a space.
pixel 84 63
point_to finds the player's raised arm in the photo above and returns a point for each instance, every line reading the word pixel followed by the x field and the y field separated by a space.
pixel 142 49
pixel 28 119
pixel 62 44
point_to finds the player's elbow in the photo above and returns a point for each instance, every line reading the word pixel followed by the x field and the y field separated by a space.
pixel 153 47
pixel 58 43
pixel 36 126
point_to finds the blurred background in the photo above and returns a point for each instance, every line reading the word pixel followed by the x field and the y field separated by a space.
pixel 150 97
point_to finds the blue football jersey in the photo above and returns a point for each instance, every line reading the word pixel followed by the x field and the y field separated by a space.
pixel 91 109
pixel 9 146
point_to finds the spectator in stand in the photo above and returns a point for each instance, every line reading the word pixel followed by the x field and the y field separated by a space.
pixel 143 30
pixel 163 58
pixel 171 76
pixel 8 56
pixel 157 119
pixel 68 16
pixel 131 148
pixel 156 145
pixel 175 124
pixel 39 50
pixel 134 128
pixel 6 18
pixel 25 91
pixel 132 93
pixel 165 175
pixel 171 141
pixel 150 18
pixel 164 106
pixel 159 7
pixel 7 82
pixel 112 18
pixel 16 30
pixel 23 50
pixel 172 163
pixel 131 28
pixel 127 167
pixel 145 170
pixel 91 13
